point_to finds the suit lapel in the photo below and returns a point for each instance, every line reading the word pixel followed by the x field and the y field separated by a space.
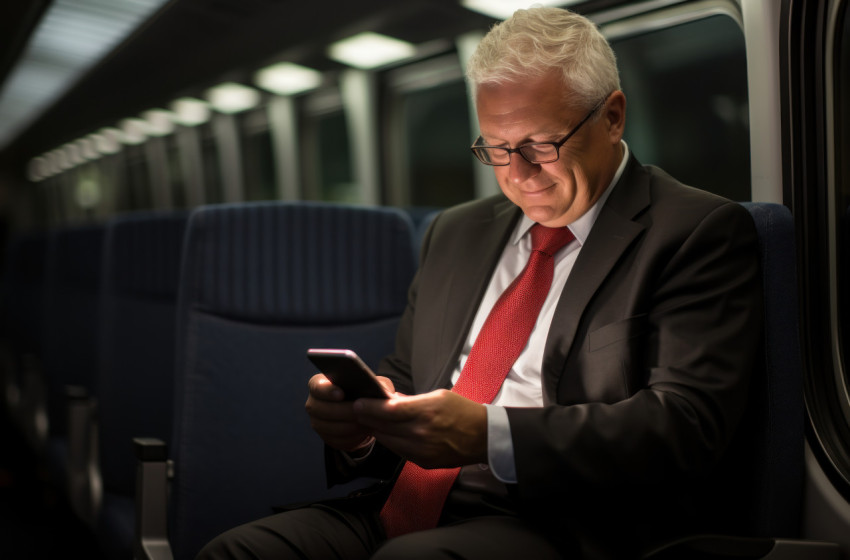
pixel 468 280
pixel 612 233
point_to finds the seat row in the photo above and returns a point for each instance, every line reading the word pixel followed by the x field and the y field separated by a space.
pixel 192 329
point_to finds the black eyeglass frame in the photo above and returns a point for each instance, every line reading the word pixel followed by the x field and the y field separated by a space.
pixel 518 150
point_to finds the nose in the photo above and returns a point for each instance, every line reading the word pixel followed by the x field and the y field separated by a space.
pixel 520 170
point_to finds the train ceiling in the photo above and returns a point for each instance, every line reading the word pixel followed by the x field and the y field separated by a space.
pixel 188 44
pixel 181 46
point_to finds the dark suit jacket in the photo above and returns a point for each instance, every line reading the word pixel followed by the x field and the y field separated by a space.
pixel 646 363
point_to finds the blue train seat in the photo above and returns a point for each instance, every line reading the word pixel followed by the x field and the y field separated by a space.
pixel 756 495
pixel 69 343
pixel 262 283
pixel 22 313
pixel 135 375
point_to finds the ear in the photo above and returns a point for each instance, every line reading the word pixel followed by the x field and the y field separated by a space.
pixel 614 113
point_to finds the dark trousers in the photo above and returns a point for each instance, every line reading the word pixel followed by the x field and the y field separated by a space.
pixel 332 531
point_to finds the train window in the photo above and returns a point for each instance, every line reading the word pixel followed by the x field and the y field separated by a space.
pixel 259 167
pixel 175 172
pixel 134 193
pixel 437 124
pixel 686 87
pixel 336 181
pixel 258 157
pixel 213 184
pixel 62 193
pixel 326 149
pixel 87 188
pixel 112 181
pixel 428 153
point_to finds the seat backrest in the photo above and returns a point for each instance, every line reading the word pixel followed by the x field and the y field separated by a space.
pixel 23 291
pixel 759 490
pixel 72 297
pixel 21 318
pixel 138 308
pixel 262 283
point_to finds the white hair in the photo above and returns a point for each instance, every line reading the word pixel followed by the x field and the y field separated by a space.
pixel 533 42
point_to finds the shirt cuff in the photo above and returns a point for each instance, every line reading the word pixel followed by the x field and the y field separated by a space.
pixel 500 447
pixel 360 454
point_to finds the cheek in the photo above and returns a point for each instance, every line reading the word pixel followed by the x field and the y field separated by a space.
pixel 575 178
pixel 503 179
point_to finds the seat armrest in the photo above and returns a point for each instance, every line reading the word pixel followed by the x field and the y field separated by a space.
pixel 85 489
pixel 787 549
pixel 31 411
pixel 152 473
pixel 707 547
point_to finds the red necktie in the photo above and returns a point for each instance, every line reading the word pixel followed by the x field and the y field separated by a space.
pixel 417 499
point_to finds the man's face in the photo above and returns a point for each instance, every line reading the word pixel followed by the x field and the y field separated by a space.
pixel 536 110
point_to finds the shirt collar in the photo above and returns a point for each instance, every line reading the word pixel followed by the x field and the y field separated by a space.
pixel 581 227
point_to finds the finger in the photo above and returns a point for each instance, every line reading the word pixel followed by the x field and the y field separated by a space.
pixel 422 453
pixel 330 410
pixel 400 408
pixel 387 383
pixel 321 388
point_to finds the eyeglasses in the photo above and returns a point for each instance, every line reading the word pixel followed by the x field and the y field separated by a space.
pixel 535 153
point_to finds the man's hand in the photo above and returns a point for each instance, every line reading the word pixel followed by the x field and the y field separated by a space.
pixel 434 430
pixel 332 417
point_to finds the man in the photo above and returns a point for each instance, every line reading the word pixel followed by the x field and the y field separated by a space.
pixel 594 440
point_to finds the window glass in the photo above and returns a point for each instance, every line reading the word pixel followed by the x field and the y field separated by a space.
pixel 259 166
pixel 331 168
pixel 87 188
pixel 257 155
pixel 687 105
pixel 436 125
pixel 175 172
pixel 213 186
pixel 134 192
pixel 138 178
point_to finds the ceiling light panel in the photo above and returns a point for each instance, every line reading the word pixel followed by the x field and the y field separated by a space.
pixel 370 50
pixel 503 9
pixel 286 78
pixel 159 122
pixel 133 131
pixel 189 111
pixel 231 97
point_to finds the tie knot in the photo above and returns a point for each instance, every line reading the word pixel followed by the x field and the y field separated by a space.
pixel 549 240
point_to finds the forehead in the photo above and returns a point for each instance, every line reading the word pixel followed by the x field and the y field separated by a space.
pixel 535 105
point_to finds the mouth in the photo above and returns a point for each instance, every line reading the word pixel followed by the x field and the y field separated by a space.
pixel 537 192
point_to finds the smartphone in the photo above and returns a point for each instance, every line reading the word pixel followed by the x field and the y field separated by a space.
pixel 347 371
